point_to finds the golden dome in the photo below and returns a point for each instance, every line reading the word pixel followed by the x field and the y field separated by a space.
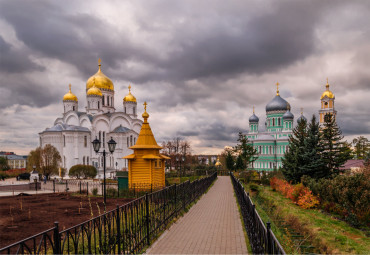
pixel 218 163
pixel 129 97
pixel 70 96
pixel 101 80
pixel 94 91
pixel 145 114
pixel 327 92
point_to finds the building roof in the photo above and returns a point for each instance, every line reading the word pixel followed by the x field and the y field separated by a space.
pixel 121 129
pixel 277 104
pixel 353 163
pixel 64 127
pixel 253 119
pixel 15 157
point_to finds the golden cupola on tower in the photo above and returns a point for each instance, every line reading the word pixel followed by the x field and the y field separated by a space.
pixel 129 97
pixel 94 91
pixel 146 164
pixel 100 80
pixel 327 92
pixel 70 96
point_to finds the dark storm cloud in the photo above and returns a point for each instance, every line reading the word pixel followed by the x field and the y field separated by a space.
pixel 14 61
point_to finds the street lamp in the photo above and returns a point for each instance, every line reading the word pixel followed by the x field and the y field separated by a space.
pixel 111 146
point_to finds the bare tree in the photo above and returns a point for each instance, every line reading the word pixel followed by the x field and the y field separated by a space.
pixel 46 159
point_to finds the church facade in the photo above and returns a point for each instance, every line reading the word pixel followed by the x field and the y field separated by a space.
pixel 272 143
pixel 74 131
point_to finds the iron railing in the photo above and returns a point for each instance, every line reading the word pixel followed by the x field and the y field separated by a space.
pixel 261 237
pixel 125 230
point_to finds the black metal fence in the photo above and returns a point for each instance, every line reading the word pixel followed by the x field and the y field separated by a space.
pixel 125 230
pixel 261 237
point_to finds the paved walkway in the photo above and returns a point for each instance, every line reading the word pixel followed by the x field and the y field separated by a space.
pixel 212 226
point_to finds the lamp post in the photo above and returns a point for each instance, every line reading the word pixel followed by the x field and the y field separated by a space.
pixel 111 146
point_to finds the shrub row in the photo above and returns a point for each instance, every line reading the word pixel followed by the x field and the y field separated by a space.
pixel 347 196
pixel 83 171
pixel 298 193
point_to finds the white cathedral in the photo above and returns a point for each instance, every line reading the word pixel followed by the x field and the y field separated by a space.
pixel 73 133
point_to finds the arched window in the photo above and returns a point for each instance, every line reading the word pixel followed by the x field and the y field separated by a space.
pixel 273 122
pixel 64 141
pixel 125 109
pixel 111 101
pixel 103 100
pixel 104 139
pixel 131 140
pixel 270 149
pixel 73 108
pixel 64 162
pixel 108 100
pixel 260 149
pixel 85 141
pixel 279 122
pixel 134 140
pixel 134 112
pixel 83 160
pixel 98 104
pixel 88 104
pixel 128 142
pixel 100 136
pixel 87 161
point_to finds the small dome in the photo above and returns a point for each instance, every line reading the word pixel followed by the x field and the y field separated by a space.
pixel 129 97
pixel 277 104
pixel 70 96
pixel 327 92
pixel 218 163
pixel 94 91
pixel 301 118
pixel 253 119
pixel 288 115
pixel 101 80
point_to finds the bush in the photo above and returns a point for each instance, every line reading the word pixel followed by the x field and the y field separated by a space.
pixel 82 171
pixel 15 172
pixel 299 194
pixel 347 196
pixel 111 192
pixel 254 187
pixel 95 191
pixel 3 175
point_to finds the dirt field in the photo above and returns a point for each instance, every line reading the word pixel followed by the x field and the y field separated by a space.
pixel 24 216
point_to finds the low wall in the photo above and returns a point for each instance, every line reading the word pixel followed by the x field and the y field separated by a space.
pixel 20 187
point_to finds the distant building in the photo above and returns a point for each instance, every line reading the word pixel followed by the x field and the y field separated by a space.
pixel 353 165
pixel 14 161
pixel 74 131
pixel 272 144
pixel 207 159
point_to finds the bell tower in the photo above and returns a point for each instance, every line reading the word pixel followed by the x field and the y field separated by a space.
pixel 327 104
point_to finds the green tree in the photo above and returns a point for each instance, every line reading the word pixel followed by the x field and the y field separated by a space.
pixel 229 161
pixel 82 171
pixel 312 164
pixel 334 152
pixel 4 164
pixel 293 158
pixel 362 147
pixel 245 150
pixel 239 163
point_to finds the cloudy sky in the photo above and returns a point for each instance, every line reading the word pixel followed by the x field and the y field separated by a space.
pixel 200 65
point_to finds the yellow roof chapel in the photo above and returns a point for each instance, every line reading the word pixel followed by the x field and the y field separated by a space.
pixel 146 164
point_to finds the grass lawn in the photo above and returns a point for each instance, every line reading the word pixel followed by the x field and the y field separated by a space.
pixel 324 232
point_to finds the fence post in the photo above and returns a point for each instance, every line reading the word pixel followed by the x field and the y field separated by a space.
pixel 66 186
pixel 87 188
pixel 117 188
pixel 183 196
pixel 268 248
pixel 56 238
pixel 54 185
pixel 102 189
pixel 147 219
pixel 134 190
pixel 118 230
pixel 80 188
pixel 175 201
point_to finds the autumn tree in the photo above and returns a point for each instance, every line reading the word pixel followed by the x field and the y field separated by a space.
pixel 47 160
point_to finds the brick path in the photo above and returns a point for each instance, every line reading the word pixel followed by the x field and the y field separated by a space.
pixel 212 226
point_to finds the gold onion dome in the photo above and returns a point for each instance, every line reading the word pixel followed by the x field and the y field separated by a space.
pixel 101 80
pixel 129 97
pixel 94 91
pixel 327 92
pixel 218 163
pixel 70 96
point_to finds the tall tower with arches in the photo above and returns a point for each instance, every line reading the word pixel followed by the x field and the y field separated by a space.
pixel 327 104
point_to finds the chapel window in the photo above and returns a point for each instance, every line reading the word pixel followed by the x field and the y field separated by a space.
pixel 103 100
pixel 108 100
pixel 85 141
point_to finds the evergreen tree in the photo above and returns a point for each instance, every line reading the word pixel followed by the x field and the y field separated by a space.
pixel 334 152
pixel 239 163
pixel 293 158
pixel 245 150
pixel 312 164
pixel 229 161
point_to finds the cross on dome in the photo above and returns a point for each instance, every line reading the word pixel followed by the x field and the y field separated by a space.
pixel 277 88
